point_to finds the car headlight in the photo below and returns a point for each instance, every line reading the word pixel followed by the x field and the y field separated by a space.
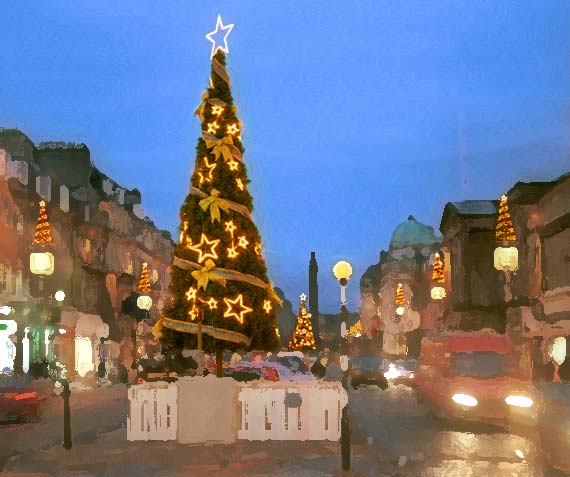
pixel 465 400
pixel 519 401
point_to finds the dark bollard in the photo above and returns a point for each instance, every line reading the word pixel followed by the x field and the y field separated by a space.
pixel 66 415
pixel 345 438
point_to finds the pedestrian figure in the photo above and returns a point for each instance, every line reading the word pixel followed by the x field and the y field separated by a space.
pixel 319 369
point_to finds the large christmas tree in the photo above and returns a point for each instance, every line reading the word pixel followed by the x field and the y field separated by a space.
pixel 219 275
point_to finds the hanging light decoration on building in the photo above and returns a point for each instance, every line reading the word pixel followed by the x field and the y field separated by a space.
pixel 400 299
pixel 438 278
pixel 42 263
pixel 506 256
pixel 144 302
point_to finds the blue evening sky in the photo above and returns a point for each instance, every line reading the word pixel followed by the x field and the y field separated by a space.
pixel 356 113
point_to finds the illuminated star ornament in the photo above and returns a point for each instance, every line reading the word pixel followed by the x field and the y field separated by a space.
pixel 237 314
pixel 204 255
pixel 219 37
pixel 191 294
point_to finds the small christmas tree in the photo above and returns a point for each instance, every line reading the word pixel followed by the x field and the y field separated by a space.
pixel 400 298
pixel 437 275
pixel 505 232
pixel 303 337
pixel 144 280
pixel 43 229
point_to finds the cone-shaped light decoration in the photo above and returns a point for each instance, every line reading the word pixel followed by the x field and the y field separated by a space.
pixel 506 258
pixel 437 292
pixel 400 299
pixel 144 302
pixel 303 337
pixel 42 263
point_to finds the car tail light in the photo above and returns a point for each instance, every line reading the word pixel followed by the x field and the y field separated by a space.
pixel 19 397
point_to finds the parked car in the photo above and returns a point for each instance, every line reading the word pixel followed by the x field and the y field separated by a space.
pixel 19 405
pixel 473 376
pixel 244 374
pixel 367 370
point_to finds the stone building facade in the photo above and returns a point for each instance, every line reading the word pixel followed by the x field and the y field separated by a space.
pixel 101 237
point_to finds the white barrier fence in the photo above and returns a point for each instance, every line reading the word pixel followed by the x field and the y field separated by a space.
pixel 291 411
pixel 266 410
pixel 152 412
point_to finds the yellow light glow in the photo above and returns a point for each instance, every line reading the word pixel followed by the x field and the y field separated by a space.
pixel 233 165
pixel 204 255
pixel 217 110
pixel 233 128
pixel 465 400
pixel 243 309
pixel 193 313
pixel 230 227
pixel 83 355
pixel 267 306
pixel 519 401
pixel 191 294
pixel 506 259
pixel 342 270
pixel 212 303
pixel 240 184
pixel 144 302
pixel 258 249
pixel 41 263
pixel 232 252
pixel 242 242
pixel 438 293
pixel 213 127
pixel 558 351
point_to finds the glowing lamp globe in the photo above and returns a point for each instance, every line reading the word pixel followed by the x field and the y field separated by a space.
pixel 438 293
pixel 59 295
pixel 400 310
pixel 41 263
pixel 506 259
pixel 144 302
pixel 558 352
pixel 342 270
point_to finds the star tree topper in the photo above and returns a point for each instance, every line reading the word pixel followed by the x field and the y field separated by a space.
pixel 219 37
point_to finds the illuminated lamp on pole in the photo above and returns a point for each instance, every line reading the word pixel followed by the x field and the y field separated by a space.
pixel 342 272
pixel 506 256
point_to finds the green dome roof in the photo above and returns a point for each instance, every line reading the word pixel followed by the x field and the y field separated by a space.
pixel 411 232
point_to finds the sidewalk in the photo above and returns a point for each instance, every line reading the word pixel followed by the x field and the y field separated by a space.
pixel 113 456
pixel 93 411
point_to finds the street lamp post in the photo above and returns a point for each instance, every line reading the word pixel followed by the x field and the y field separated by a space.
pixel 342 272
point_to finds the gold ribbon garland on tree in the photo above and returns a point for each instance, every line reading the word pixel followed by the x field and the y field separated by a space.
pixel 207 273
pixel 224 146
pixel 214 200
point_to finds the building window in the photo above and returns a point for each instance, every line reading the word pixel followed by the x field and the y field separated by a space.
pixel 86 213
pixel 64 198
pixel 43 187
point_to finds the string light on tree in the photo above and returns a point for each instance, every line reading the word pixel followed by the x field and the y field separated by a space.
pixel 242 242
pixel 232 252
pixel 191 294
pixel 212 303
pixel 42 263
pixel 205 254
pixel 505 232
pixel 238 315
pixel 258 249
pixel 233 165
pixel 217 110
pixel 240 184
pixel 230 227
pixel 233 129
pixel 213 127
pixel 267 306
